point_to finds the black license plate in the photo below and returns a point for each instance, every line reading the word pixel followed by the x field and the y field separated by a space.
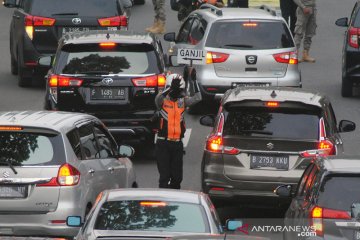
pixel 249 84
pixel 13 191
pixel 264 161
pixel 108 93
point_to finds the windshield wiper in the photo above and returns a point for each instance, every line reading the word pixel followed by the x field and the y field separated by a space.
pixel 2 163
pixel 95 72
pixel 239 45
pixel 65 14
pixel 257 132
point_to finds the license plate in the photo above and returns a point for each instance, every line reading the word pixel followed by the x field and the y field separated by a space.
pixel 75 29
pixel 108 93
pixel 13 191
pixel 234 85
pixel 261 161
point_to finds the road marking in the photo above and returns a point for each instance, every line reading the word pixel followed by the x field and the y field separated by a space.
pixel 186 137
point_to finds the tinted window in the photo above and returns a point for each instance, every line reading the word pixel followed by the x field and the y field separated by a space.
pixel 105 144
pixel 197 32
pixel 304 178
pixel 88 142
pixel 339 192
pixel 95 8
pixel 31 148
pixel 272 123
pixel 243 35
pixel 135 215
pixel 357 17
pixel 74 140
pixel 184 32
pixel 88 58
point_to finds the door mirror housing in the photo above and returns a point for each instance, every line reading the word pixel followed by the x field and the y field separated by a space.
pixel 10 3
pixel 208 120
pixel 126 151
pixel 74 221
pixel 283 191
pixel 233 224
pixel 170 37
pixel 342 22
pixel 45 61
pixel 346 126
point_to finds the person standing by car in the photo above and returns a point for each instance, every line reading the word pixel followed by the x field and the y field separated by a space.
pixel 171 104
pixel 305 26
pixel 159 19
pixel 288 11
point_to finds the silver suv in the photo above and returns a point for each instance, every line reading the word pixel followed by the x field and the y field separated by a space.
pixel 52 166
pixel 245 47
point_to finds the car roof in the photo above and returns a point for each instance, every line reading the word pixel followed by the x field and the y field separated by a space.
pixel 280 94
pixel 98 36
pixel 54 120
pixel 154 194
pixel 341 164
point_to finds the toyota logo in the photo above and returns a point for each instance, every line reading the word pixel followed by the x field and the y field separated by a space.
pixel 251 59
pixel 76 21
pixel 6 174
pixel 270 146
pixel 107 81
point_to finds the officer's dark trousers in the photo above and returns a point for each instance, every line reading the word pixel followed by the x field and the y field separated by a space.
pixel 169 157
pixel 288 11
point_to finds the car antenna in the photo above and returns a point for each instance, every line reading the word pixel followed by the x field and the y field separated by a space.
pixel 273 94
pixel 107 35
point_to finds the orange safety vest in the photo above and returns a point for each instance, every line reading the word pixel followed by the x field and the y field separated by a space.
pixel 172 124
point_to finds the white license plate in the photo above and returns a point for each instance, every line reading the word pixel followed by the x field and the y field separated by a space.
pixel 13 191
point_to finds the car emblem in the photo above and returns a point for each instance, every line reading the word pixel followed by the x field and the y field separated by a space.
pixel 6 174
pixel 107 81
pixel 270 146
pixel 251 59
pixel 76 21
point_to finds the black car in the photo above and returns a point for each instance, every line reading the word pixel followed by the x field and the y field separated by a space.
pixel 259 139
pixel 114 75
pixel 327 200
pixel 351 51
pixel 37 26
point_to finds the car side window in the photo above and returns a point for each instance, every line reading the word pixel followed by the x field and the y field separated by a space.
pixel 88 141
pixel 310 182
pixel 184 31
pixel 106 147
pixel 74 140
pixel 353 14
pixel 197 32
pixel 303 180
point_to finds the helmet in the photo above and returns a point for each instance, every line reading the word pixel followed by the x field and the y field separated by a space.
pixel 178 77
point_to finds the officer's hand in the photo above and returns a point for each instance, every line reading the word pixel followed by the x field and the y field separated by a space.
pixel 175 84
pixel 307 10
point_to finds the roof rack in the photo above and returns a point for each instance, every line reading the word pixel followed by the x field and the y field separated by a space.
pixel 213 9
pixel 268 9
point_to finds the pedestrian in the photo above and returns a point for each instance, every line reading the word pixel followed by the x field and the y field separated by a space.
pixel 305 28
pixel 288 11
pixel 171 104
pixel 159 19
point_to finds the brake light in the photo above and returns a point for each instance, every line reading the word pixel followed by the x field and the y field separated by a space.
pixel 42 21
pixel 107 45
pixel 118 21
pixel 250 24
pixel 64 81
pixel 354 37
pixel 10 128
pixel 31 21
pixel 216 57
pixel 153 204
pixel 286 57
pixel 150 81
pixel 214 144
pixel 68 175
pixel 272 104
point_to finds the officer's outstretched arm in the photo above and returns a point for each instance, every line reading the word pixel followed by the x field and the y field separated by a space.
pixel 159 99
pixel 191 100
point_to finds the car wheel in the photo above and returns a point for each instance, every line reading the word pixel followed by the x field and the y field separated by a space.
pixel 22 80
pixel 346 87
pixel 139 2
pixel 14 66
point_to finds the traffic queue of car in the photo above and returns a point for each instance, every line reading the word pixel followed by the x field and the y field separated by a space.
pixel 65 175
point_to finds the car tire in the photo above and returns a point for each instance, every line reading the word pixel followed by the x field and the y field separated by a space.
pixel 22 80
pixel 139 2
pixel 346 87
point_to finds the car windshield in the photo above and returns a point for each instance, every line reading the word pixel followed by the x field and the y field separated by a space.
pixel 252 35
pixel 30 148
pixel 272 123
pixel 92 58
pixel 152 216
pixel 83 8
pixel 339 191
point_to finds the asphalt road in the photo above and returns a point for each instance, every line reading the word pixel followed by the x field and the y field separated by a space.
pixel 324 76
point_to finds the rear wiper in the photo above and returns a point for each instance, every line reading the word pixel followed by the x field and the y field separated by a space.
pixel 257 132
pixel 95 72
pixel 65 14
pixel 239 45
pixel 8 164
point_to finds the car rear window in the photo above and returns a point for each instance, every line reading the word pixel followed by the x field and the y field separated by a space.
pixel 152 216
pixel 25 148
pixel 272 123
pixel 82 8
pixel 252 35
pixel 122 59
pixel 339 192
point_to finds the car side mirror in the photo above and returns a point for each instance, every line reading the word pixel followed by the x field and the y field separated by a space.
pixel 45 61
pixel 342 22
pixel 10 3
pixel 74 221
pixel 233 224
pixel 208 120
pixel 283 191
pixel 170 37
pixel 346 126
pixel 126 151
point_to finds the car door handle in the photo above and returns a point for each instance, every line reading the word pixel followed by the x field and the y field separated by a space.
pixel 16 16
pixel 111 169
pixel 91 171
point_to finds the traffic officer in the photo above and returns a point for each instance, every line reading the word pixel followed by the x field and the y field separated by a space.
pixel 160 17
pixel 171 104
pixel 305 26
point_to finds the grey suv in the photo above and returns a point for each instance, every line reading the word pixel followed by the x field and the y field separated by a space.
pixel 52 166
pixel 245 47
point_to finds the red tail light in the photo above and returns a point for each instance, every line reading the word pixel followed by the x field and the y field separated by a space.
pixel 64 81
pixel 39 21
pixel 67 176
pixel 216 57
pixel 354 37
pixel 286 57
pixel 118 21
pixel 150 81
